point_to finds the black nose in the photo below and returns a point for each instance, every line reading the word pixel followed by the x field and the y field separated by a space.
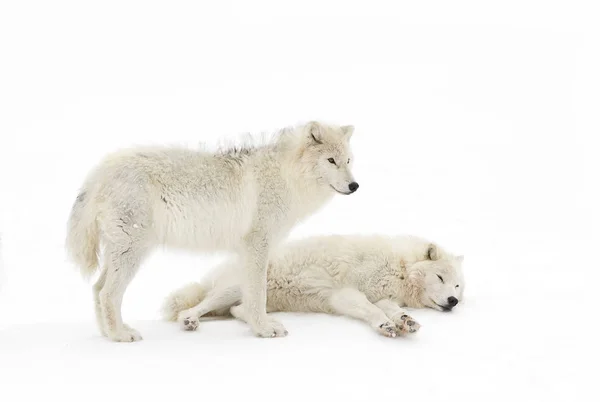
pixel 452 301
pixel 353 186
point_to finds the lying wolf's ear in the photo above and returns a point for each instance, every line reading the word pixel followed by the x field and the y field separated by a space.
pixel 347 132
pixel 315 132
pixel 432 252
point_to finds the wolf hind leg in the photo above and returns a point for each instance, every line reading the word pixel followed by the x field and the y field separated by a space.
pixel 123 263
pixel 216 299
pixel 97 305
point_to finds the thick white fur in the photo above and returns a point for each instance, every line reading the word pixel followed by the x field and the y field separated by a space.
pixel 241 200
pixel 366 277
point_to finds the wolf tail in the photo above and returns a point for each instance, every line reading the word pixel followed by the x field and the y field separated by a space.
pixel 83 235
pixel 182 299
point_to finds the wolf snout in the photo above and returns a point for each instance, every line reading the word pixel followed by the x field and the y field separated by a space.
pixel 353 186
pixel 452 301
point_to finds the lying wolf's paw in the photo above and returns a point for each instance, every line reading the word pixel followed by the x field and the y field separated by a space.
pixel 387 329
pixel 406 324
pixel 189 323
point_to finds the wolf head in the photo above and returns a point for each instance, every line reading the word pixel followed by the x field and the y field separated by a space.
pixel 327 151
pixel 324 152
pixel 437 282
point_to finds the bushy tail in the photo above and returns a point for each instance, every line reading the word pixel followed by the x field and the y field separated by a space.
pixel 83 236
pixel 182 299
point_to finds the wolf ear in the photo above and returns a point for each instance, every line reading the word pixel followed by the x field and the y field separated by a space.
pixel 315 132
pixel 432 252
pixel 347 132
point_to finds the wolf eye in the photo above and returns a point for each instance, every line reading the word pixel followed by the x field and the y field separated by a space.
pixel 441 279
pixel 331 160
pixel 456 286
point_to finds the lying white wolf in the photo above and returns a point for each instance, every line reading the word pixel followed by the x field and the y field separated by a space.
pixel 240 200
pixel 366 277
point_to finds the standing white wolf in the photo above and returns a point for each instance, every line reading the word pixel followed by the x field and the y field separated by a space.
pixel 365 277
pixel 240 200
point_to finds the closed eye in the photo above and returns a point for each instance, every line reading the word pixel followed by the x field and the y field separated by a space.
pixel 456 286
pixel 441 279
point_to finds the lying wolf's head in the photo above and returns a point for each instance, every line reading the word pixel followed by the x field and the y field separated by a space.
pixel 325 151
pixel 437 282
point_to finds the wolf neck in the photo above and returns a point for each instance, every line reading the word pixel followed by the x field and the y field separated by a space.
pixel 307 195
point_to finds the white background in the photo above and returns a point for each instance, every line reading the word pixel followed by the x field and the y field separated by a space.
pixel 476 127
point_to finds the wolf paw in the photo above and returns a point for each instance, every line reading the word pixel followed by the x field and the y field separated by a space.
pixel 189 323
pixel 270 329
pixel 406 324
pixel 387 329
pixel 127 334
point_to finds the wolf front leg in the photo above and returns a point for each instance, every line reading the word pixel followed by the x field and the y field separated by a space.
pixel 254 287
pixel 404 322
pixel 353 303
